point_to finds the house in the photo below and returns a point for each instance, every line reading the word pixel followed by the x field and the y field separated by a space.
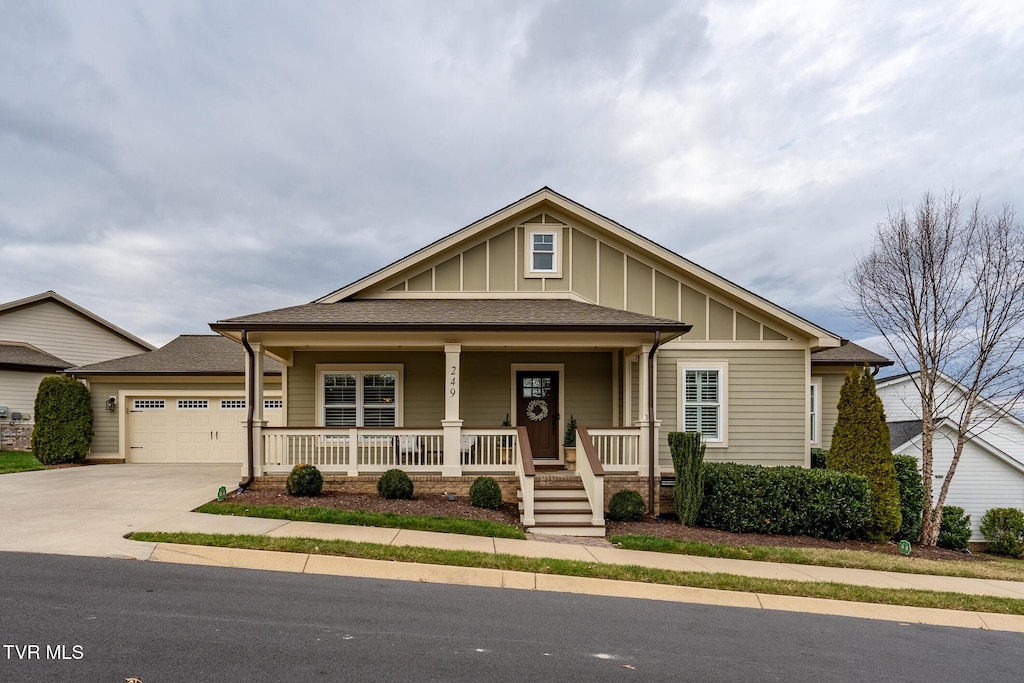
pixel 990 472
pixel 470 355
pixel 184 402
pixel 828 369
pixel 40 336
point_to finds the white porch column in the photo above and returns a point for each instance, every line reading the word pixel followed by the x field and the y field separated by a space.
pixel 452 423
pixel 645 352
pixel 256 401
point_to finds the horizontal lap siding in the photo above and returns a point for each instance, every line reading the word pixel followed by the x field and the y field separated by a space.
pixel 831 384
pixel 767 423
pixel 18 391
pixel 65 334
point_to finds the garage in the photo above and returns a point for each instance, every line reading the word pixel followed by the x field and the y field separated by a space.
pixel 194 429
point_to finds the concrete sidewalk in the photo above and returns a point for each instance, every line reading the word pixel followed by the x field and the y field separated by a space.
pixel 201 523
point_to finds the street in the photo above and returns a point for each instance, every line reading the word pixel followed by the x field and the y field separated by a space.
pixel 93 619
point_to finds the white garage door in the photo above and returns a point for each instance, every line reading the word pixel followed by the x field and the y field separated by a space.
pixel 201 429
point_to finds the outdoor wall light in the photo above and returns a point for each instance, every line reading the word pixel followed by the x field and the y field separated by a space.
pixel 111 402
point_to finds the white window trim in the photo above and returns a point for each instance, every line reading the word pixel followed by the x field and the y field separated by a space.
pixel 723 368
pixel 814 428
pixel 331 368
pixel 556 258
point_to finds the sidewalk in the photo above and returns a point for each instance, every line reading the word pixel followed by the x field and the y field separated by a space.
pixel 318 564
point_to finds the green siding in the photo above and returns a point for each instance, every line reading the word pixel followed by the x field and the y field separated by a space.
pixel 612 268
pixel 666 296
pixel 831 382
pixel 447 275
pixel 503 262
pixel 639 278
pixel 695 312
pixel 747 329
pixel 474 269
pixel 584 265
pixel 422 283
pixel 720 321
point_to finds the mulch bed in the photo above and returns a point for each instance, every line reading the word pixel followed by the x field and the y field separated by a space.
pixel 508 513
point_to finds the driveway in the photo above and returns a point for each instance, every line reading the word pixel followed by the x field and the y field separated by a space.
pixel 87 510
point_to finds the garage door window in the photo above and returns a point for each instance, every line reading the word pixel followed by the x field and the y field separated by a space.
pixel 360 397
pixel 232 404
pixel 193 404
pixel 148 404
pixel 273 404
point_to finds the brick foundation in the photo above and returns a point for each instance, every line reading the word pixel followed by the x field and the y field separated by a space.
pixel 16 437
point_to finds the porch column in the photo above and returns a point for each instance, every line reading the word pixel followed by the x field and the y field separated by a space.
pixel 452 423
pixel 256 401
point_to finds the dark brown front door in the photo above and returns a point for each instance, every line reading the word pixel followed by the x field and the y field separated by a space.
pixel 537 410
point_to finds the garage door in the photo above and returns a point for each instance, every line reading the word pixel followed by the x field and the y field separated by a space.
pixel 200 429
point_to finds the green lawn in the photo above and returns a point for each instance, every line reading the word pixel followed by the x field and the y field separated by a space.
pixel 448 525
pixel 16 461
pixel 465 558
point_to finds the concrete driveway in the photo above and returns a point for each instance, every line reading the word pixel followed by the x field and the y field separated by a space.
pixel 87 510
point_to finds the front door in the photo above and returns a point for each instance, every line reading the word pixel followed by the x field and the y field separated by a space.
pixel 537 410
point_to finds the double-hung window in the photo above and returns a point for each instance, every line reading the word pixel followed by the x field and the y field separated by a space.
pixel 814 404
pixel 542 253
pixel 703 393
pixel 359 397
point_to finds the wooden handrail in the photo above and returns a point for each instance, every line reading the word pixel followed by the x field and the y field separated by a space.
pixel 588 448
pixel 525 452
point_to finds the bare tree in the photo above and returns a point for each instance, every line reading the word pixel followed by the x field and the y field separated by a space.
pixel 944 285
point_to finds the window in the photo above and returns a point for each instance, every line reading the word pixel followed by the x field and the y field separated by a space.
pixel 367 397
pixel 232 404
pixel 193 404
pixel 148 404
pixel 814 404
pixel 703 400
pixel 273 404
pixel 542 257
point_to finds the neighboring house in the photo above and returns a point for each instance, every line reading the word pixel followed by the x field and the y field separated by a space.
pixel 184 402
pixel 540 311
pixel 43 334
pixel 990 472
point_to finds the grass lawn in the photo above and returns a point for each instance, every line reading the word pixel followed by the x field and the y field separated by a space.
pixel 390 520
pixel 17 461
pixel 463 558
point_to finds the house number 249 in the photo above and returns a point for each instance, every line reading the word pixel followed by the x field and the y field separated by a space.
pixel 453 382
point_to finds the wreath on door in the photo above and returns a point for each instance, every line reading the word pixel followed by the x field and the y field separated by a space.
pixel 537 410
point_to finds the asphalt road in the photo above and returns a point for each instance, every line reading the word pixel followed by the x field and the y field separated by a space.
pixel 94 619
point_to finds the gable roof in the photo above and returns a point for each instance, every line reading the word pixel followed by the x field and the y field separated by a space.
pixel 206 354
pixel 946 423
pixel 849 353
pixel 1003 413
pixel 24 356
pixel 546 197
pixel 902 432
pixel 441 314
pixel 51 295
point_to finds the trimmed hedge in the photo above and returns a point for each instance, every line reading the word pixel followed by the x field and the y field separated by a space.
pixel 688 461
pixel 1003 528
pixel 626 505
pixel 955 528
pixel 484 492
pixel 304 480
pixel 908 477
pixel 63 429
pixel 395 484
pixel 785 500
pixel 818 456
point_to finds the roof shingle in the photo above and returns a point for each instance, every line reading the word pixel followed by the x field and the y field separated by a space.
pixel 208 354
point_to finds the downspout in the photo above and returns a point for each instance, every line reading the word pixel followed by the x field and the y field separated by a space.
pixel 651 446
pixel 250 409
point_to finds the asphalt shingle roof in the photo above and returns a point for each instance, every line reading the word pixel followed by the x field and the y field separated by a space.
pixel 209 354
pixel 848 354
pixel 15 354
pixel 902 432
pixel 564 314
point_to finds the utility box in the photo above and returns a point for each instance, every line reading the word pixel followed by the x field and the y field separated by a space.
pixel 3 413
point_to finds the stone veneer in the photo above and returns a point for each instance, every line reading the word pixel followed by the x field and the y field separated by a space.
pixel 16 437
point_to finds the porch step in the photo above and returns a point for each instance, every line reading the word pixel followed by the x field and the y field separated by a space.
pixel 561 506
pixel 565 529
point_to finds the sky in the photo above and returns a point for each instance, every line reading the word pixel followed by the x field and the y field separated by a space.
pixel 168 164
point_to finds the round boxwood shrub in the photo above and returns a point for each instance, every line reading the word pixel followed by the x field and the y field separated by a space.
pixel 626 506
pixel 1003 528
pixel 304 480
pixel 485 493
pixel 955 529
pixel 63 428
pixel 395 484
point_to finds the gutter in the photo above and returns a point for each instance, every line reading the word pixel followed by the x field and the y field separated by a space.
pixel 651 446
pixel 250 410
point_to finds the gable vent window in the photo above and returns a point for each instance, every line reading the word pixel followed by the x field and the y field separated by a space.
pixel 148 404
pixel 193 404
pixel 232 404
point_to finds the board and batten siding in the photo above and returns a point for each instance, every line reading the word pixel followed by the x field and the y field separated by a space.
pixel 18 391
pixel 767 404
pixel 65 334
pixel 106 423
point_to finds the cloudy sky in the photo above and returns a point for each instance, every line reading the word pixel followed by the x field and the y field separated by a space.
pixel 167 164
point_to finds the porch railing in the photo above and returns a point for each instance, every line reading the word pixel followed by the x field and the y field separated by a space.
pixel 373 450
pixel 618 449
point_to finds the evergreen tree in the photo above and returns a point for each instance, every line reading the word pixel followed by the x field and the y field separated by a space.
pixel 860 445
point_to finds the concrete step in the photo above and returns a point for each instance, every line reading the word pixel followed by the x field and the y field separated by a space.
pixel 563 517
pixel 557 529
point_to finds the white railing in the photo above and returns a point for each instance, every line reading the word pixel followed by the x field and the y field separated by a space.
pixel 489 450
pixel 591 473
pixel 330 449
pixel 618 449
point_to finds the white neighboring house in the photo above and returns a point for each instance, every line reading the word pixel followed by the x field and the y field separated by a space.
pixel 990 473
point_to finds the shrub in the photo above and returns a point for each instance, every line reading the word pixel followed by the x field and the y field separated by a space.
pixel 688 460
pixel 860 445
pixel 908 478
pixel 955 528
pixel 485 493
pixel 304 480
pixel 785 500
pixel 818 456
pixel 626 505
pixel 1003 528
pixel 569 440
pixel 395 484
pixel 63 427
